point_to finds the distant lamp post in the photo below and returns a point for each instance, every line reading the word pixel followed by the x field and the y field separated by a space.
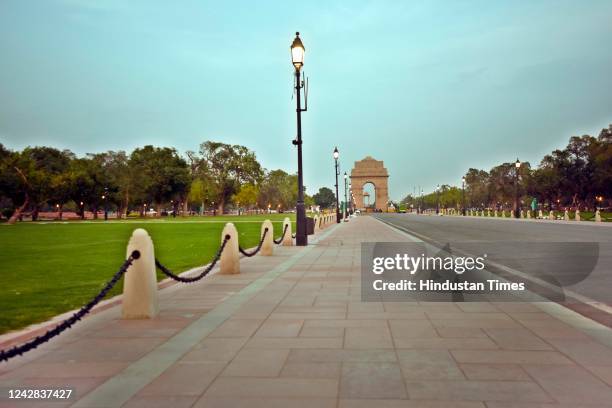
pixel 517 166
pixel 350 195
pixel 214 209
pixel 59 211
pixel 82 210
pixel 463 195
pixel 336 155
pixel 345 198
pixel 105 198
pixel 297 59
pixel 437 199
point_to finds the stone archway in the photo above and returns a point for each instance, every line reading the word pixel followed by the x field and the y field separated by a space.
pixel 370 170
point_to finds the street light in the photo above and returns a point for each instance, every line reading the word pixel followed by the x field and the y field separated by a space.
pixel 463 195
pixel 336 155
pixel 350 202
pixel 105 198
pixel 345 213
pixel 437 199
pixel 297 59
pixel 517 166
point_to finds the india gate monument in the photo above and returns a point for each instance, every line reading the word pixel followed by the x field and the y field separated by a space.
pixel 370 170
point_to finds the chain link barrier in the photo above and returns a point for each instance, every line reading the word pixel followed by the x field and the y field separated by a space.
pixel 256 250
pixel 5 355
pixel 202 274
pixel 278 241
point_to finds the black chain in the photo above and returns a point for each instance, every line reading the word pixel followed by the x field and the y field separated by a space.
pixel 256 250
pixel 282 236
pixel 202 274
pixel 5 355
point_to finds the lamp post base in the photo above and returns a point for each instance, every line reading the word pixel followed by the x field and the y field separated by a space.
pixel 301 236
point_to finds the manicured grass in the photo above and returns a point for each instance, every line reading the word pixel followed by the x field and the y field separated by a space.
pixel 50 268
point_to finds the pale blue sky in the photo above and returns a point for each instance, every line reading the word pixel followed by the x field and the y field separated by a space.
pixel 430 87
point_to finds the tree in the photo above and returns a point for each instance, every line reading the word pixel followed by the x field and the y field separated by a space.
pixel 325 198
pixel 247 196
pixel 228 167
pixel 162 175
pixel 278 190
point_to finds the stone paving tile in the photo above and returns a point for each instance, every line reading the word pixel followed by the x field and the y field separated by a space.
pixel 187 379
pixel 366 338
pixel 475 323
pixel 322 332
pixel 312 370
pixel 544 405
pixel 510 357
pixel 604 373
pixel 259 402
pixel 295 343
pixel 237 328
pixel 280 328
pixel 157 401
pixel 215 349
pixel 509 372
pixel 390 403
pixel 344 323
pixel 428 364
pixel 273 387
pixel 517 339
pixel 372 380
pixel 257 363
pixel 341 355
pixel 461 332
pixel 586 352
pixel 477 391
pixel 570 384
pixel 445 343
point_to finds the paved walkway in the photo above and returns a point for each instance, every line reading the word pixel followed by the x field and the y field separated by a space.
pixel 291 331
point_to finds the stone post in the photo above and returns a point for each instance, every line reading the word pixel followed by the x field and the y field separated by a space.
pixel 522 214
pixel 140 280
pixel 230 257
pixel 597 216
pixel 540 215
pixel 316 223
pixel 268 244
pixel 503 213
pixel 551 215
pixel 577 216
pixel 566 216
pixel 528 214
pixel 287 239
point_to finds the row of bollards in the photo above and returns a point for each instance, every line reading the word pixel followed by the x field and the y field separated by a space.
pixel 522 214
pixel 140 282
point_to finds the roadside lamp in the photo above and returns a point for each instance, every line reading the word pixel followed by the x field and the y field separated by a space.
pixel 297 52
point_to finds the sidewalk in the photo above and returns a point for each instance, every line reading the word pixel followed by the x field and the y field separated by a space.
pixel 291 331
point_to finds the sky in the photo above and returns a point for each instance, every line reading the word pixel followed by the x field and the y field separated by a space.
pixel 432 88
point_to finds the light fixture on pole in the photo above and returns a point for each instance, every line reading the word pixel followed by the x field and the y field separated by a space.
pixel 437 199
pixel 297 59
pixel 336 156
pixel 517 166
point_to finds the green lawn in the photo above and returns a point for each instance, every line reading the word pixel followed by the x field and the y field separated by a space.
pixel 50 268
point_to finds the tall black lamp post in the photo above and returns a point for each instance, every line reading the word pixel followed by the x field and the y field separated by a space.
pixel 297 58
pixel 517 166
pixel 336 155
pixel 463 195
pixel 105 198
pixel 345 213
pixel 437 199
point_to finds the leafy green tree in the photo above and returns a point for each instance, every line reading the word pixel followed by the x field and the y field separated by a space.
pixel 278 189
pixel 247 196
pixel 325 198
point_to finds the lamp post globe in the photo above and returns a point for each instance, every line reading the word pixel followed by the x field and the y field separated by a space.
pixel 345 212
pixel 297 59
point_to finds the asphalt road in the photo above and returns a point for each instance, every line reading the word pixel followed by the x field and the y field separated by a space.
pixel 577 255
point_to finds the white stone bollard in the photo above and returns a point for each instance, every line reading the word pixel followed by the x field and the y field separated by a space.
pixel 316 223
pixel 229 262
pixel 495 213
pixel 140 281
pixel 488 212
pixel 597 216
pixel 528 214
pixel 522 215
pixel 503 213
pixel 540 215
pixel 566 216
pixel 551 215
pixel 268 244
pixel 287 239
pixel 577 216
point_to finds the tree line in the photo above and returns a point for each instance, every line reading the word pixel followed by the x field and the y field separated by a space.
pixel 578 176
pixel 218 176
